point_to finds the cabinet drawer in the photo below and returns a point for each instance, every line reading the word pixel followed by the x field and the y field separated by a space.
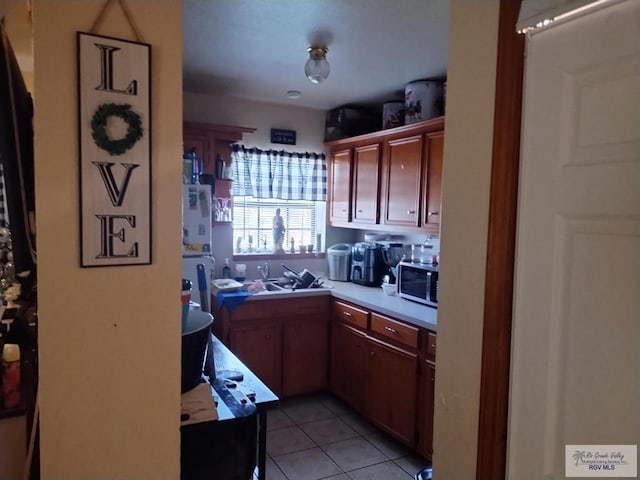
pixel 350 314
pixel 400 332
pixel 431 345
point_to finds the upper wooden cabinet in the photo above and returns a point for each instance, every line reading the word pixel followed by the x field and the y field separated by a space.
pixel 366 165
pixel 432 182
pixel 340 187
pixel 394 177
pixel 210 140
pixel 402 167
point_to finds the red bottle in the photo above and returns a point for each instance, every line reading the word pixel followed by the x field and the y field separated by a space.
pixel 11 375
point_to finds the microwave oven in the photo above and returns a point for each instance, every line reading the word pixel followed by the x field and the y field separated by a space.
pixel 418 282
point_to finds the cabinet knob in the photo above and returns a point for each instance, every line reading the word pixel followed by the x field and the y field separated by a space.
pixel 268 336
pixel 389 329
pixel 431 214
pixel 373 354
pixel 346 314
pixel 359 211
pixel 411 212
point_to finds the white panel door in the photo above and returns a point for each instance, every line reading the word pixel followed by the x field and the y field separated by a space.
pixel 576 331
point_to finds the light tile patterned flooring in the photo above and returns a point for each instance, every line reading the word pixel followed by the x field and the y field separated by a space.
pixel 319 437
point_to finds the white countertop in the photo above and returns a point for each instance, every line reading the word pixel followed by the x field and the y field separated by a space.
pixel 372 298
pixel 392 305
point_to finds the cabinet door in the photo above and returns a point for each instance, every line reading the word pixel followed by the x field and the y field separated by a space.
pixel 202 145
pixel 257 344
pixel 304 355
pixel 340 191
pixel 348 364
pixel 433 183
pixel 402 181
pixel 392 385
pixel 426 400
pixel 366 162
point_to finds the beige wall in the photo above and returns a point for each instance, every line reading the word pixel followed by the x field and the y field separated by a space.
pixel 13 438
pixel 466 175
pixel 308 123
pixel 109 338
pixel 18 27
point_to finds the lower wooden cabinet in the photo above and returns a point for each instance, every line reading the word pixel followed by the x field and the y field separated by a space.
pixel 426 398
pixel 284 342
pixel 304 354
pixel 257 344
pixel 391 390
pixel 348 364
pixel 386 374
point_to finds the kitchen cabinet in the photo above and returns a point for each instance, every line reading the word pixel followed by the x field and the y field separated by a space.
pixel 304 354
pixel 396 176
pixel 340 188
pixel 257 344
pixel 284 341
pixel 348 362
pixel 366 166
pixel 426 401
pixel 210 140
pixel 378 366
pixel 432 182
pixel 391 389
pixel 402 168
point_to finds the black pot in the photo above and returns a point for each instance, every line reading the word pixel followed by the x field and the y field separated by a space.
pixel 194 345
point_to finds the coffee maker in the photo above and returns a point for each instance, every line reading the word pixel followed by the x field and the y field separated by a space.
pixel 367 264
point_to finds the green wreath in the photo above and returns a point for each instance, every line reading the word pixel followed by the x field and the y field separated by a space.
pixel 99 128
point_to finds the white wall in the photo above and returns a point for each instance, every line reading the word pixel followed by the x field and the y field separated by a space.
pixel 466 179
pixel 109 338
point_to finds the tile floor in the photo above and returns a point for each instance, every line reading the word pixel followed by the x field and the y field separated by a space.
pixel 319 437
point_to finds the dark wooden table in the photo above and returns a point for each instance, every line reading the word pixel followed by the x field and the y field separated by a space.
pixel 264 397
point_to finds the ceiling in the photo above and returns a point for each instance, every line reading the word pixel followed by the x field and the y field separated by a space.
pixel 256 49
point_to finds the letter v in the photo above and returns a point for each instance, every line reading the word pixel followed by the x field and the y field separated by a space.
pixel 115 194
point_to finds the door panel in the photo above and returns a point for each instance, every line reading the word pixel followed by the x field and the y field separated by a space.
pixel 575 352
pixel 402 181
pixel 365 184
pixel 433 196
pixel 340 199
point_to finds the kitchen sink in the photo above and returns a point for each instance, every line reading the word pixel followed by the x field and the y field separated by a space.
pixel 270 287
pixel 273 287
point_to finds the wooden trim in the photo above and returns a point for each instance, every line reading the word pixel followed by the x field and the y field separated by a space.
pixel 230 130
pixel 419 128
pixel 496 339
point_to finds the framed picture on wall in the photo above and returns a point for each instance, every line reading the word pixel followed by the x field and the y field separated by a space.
pixel 114 129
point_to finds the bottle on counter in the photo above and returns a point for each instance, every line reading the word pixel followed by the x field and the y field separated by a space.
pixel 11 375
pixel 226 270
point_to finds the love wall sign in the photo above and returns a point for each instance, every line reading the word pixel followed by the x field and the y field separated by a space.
pixel 115 151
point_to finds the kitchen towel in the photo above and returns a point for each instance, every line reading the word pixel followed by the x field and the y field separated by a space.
pixel 231 300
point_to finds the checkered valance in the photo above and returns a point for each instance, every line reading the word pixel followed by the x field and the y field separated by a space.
pixel 279 174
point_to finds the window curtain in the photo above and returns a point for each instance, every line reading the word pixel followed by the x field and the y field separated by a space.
pixel 279 174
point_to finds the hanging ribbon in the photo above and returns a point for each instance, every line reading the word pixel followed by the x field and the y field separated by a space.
pixel 127 15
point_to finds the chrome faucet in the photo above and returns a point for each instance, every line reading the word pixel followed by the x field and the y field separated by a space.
pixel 264 270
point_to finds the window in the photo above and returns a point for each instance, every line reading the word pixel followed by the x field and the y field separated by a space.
pixel 253 223
pixel 268 180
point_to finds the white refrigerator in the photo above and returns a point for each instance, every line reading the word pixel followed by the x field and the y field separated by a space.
pixel 196 238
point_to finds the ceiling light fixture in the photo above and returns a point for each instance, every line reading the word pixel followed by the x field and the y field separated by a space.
pixel 317 68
